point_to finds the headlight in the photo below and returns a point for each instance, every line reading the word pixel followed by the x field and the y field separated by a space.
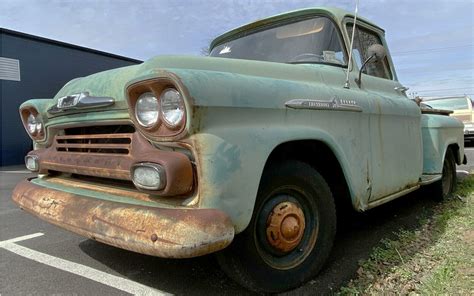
pixel 172 107
pixel 33 123
pixel 148 176
pixel 146 110
pixel 158 107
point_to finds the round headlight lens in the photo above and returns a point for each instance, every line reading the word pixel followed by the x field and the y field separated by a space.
pixel 31 124
pixel 146 110
pixel 172 106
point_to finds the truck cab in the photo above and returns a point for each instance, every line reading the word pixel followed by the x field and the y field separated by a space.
pixel 244 153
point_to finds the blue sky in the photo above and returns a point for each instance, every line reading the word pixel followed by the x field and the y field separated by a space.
pixel 432 42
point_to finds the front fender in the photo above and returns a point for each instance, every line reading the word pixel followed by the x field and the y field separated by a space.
pixel 439 132
pixel 230 159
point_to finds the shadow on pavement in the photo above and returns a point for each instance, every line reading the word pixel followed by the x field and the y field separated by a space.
pixel 357 235
pixel 196 276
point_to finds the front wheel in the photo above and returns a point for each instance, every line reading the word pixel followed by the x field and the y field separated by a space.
pixel 291 232
pixel 444 188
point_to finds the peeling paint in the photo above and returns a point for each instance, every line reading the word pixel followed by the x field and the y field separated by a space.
pixel 182 232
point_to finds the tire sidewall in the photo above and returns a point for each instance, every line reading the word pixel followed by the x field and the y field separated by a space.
pixel 438 188
pixel 316 190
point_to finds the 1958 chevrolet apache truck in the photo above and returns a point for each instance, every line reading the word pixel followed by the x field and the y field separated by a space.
pixel 246 152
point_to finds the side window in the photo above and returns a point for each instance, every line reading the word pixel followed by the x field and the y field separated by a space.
pixel 363 39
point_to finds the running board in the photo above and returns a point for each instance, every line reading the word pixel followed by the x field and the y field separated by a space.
pixel 428 179
pixel 391 197
pixel 424 180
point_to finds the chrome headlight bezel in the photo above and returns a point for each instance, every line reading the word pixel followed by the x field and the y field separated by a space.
pixel 165 129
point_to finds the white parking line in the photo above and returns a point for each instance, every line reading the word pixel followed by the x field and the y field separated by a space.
pixel 78 269
pixel 20 238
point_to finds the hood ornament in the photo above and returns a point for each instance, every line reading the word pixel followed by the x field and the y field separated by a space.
pixel 80 101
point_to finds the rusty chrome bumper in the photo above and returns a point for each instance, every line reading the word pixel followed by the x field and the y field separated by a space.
pixel 162 232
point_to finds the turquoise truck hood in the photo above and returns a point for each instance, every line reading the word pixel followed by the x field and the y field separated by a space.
pixel 112 83
pixel 103 84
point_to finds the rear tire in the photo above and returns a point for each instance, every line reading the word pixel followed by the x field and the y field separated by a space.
pixel 291 232
pixel 445 187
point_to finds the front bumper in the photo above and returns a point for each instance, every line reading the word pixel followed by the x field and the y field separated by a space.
pixel 162 232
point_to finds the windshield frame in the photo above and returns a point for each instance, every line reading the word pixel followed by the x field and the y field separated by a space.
pixel 287 21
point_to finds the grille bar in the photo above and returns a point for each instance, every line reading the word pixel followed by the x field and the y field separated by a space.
pixel 100 146
pixel 95 136
pixel 95 143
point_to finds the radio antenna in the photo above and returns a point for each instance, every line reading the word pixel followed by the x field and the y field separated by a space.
pixel 347 84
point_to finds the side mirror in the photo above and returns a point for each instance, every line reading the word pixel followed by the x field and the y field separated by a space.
pixel 376 54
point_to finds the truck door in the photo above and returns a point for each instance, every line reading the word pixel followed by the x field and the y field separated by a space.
pixel 352 131
pixel 394 122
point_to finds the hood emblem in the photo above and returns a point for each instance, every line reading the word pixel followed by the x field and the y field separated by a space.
pixel 80 101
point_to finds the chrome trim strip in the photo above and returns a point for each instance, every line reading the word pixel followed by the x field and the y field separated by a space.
pixel 335 104
pixel 80 101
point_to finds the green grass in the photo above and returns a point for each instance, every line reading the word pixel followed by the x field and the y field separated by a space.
pixel 437 258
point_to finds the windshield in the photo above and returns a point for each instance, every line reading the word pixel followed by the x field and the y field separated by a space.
pixel 449 104
pixel 314 40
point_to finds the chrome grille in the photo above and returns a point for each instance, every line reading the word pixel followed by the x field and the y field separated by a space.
pixel 96 139
pixel 106 143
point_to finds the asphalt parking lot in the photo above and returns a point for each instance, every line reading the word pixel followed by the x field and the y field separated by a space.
pixel 39 258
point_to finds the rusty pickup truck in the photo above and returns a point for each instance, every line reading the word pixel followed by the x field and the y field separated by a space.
pixel 245 152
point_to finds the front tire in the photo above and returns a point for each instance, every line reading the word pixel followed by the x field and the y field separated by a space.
pixel 291 232
pixel 445 187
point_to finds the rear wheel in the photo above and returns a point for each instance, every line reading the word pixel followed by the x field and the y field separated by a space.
pixel 291 232
pixel 444 188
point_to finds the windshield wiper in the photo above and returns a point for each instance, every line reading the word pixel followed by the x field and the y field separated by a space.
pixel 316 63
pixel 306 62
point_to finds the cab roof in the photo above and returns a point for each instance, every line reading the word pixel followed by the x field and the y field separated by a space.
pixel 336 14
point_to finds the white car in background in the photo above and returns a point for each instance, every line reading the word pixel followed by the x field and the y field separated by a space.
pixel 462 110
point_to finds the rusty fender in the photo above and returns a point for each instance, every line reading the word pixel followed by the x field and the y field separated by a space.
pixel 162 232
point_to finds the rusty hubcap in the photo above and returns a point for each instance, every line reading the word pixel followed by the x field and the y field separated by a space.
pixel 285 226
